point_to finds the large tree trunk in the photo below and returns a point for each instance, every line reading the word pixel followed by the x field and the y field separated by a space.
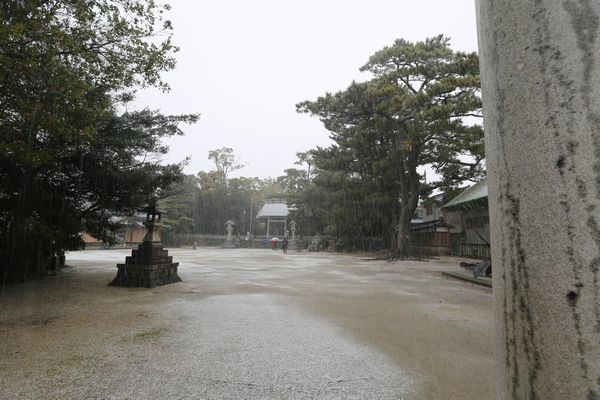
pixel 403 238
pixel 409 196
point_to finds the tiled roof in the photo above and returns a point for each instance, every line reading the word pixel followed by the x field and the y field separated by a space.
pixel 273 210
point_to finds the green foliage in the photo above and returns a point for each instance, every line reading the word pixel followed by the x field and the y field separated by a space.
pixel 307 200
pixel 179 205
pixel 218 202
pixel 82 185
pixel 67 159
pixel 413 112
pixel 201 204
pixel 207 200
pixel 225 162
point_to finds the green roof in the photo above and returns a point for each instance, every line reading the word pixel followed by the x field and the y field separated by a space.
pixel 478 191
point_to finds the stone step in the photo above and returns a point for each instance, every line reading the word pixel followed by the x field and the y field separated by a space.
pixel 148 260
pixel 147 267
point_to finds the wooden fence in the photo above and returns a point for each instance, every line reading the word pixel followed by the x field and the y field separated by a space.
pixel 475 250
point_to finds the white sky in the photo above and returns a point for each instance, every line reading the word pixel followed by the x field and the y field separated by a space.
pixel 244 65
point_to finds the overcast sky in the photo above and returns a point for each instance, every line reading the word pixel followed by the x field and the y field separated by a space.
pixel 244 65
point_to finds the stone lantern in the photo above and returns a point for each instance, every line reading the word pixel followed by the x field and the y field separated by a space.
pixel 292 244
pixel 150 265
pixel 229 241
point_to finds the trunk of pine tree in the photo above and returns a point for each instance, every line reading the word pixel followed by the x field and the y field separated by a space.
pixel 409 200
pixel 403 239
pixel 392 240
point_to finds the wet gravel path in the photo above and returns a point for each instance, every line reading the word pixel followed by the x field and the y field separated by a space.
pixel 248 324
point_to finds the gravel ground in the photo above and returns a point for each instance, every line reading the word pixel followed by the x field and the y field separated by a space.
pixel 249 324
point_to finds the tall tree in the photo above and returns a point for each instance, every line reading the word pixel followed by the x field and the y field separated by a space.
pixel 303 195
pixel 67 158
pixel 225 162
pixel 306 157
pixel 217 203
pixel 179 204
pixel 210 198
pixel 415 111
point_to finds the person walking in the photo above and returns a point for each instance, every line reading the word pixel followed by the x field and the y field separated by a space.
pixel 284 244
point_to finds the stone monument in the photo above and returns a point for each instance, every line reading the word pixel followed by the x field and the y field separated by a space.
pixel 229 241
pixel 292 245
pixel 315 244
pixel 150 265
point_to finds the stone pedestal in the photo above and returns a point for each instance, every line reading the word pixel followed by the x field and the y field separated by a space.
pixel 150 265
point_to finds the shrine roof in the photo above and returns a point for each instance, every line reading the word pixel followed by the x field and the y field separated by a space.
pixel 478 191
pixel 278 209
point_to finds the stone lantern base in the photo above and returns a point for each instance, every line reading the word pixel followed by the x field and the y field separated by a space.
pixel 148 266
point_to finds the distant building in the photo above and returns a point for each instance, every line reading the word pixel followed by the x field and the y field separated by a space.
pixel 461 227
pixel 429 231
pixel 274 214
pixel 131 229
pixel 90 242
pixel 429 210
pixel 468 216
pixel 430 237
